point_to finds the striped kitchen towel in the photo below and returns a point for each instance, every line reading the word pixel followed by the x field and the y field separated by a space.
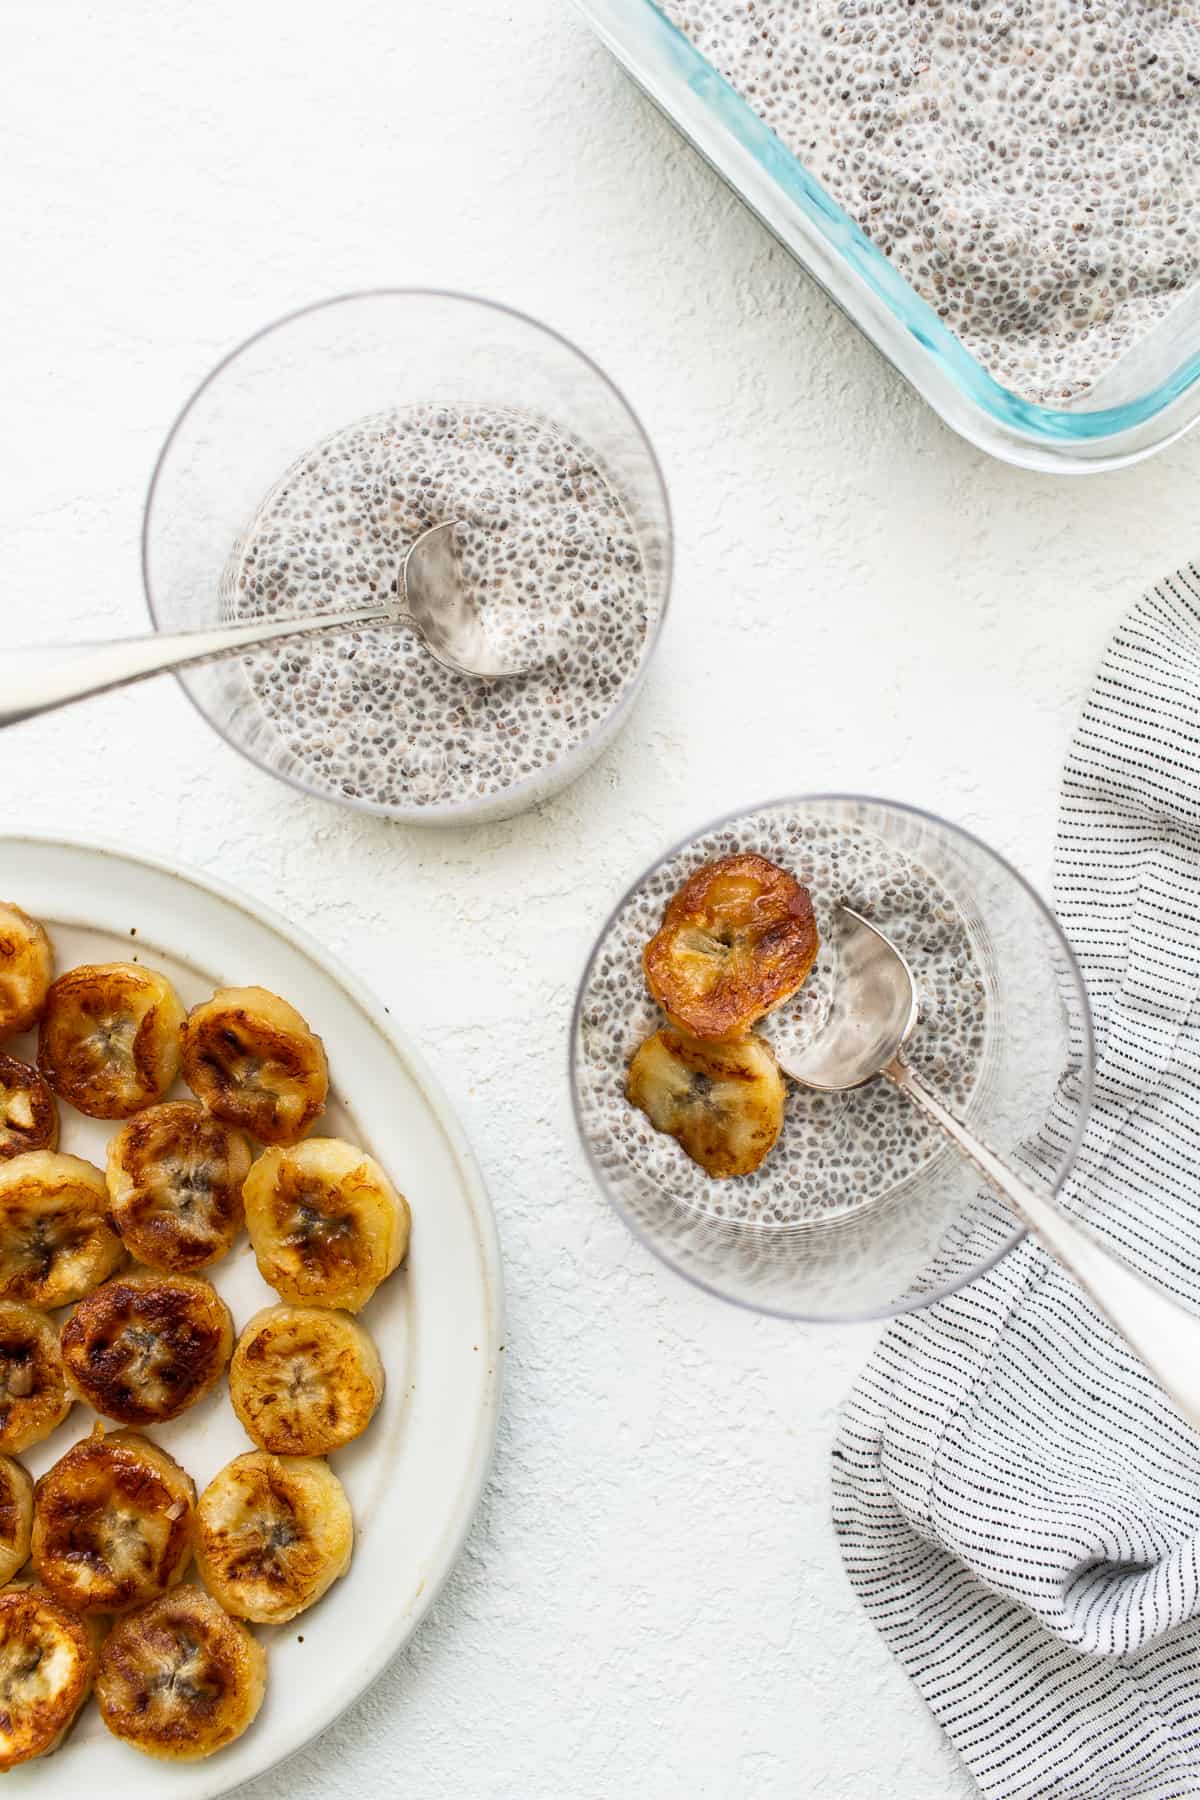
pixel 1018 1504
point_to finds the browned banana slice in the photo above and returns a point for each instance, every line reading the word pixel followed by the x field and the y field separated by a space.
pixel 26 970
pixel 56 1242
pixel 737 939
pixel 109 1038
pixel 144 1347
pixel 252 1059
pixel 112 1523
pixel 28 1114
pixel 272 1534
pixel 34 1397
pixel 16 1517
pixel 722 1102
pixel 305 1380
pixel 175 1179
pixel 47 1662
pixel 326 1223
pixel 179 1679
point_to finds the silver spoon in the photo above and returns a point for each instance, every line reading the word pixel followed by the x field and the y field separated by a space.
pixel 430 598
pixel 872 1016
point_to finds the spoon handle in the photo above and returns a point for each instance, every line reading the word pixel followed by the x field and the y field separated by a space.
pixel 1163 1333
pixel 38 679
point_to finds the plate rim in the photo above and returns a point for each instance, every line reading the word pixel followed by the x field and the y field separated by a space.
pixel 471 1493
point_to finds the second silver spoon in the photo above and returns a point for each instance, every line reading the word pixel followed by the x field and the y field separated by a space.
pixel 430 597
pixel 873 1015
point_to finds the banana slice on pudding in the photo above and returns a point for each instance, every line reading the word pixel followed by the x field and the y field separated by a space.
pixel 48 1660
pixel 737 939
pixel 254 1062
pixel 326 1224
pixel 112 1523
pixel 273 1533
pixel 305 1380
pixel 26 970
pixel 175 1179
pixel 16 1517
pixel 145 1347
pixel 28 1112
pixel 109 1038
pixel 34 1396
pixel 178 1679
pixel 723 1103
pixel 56 1242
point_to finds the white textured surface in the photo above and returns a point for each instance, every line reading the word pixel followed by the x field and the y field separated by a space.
pixel 651 1601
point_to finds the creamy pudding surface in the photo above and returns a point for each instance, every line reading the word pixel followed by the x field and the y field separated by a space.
pixel 1032 167
pixel 836 1152
pixel 548 554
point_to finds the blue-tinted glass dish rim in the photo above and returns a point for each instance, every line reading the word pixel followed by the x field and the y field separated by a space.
pixel 873 268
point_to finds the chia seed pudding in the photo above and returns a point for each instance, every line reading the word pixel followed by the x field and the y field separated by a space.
pixel 1032 167
pixel 836 1153
pixel 549 556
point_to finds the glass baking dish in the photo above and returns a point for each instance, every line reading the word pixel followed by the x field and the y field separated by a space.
pixel 1147 399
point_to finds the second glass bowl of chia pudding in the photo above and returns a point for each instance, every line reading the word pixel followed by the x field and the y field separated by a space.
pixel 861 1209
pixel 307 463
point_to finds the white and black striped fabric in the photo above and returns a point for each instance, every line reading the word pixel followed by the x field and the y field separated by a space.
pixel 1017 1503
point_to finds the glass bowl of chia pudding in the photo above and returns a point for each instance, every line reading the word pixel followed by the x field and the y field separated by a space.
pixel 861 1209
pixel 303 468
pixel 1004 198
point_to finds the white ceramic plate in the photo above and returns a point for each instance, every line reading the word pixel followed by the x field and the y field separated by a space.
pixel 415 1477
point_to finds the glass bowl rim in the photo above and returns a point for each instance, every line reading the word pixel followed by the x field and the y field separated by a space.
pixel 829 797
pixel 457 813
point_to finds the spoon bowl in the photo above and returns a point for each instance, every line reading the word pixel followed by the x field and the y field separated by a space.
pixel 872 1015
pixel 435 601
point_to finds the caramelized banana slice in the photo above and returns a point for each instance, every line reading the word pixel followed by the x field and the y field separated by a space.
pixel 326 1223
pixel 178 1679
pixel 722 1102
pixel 34 1398
pixel 26 970
pixel 112 1523
pixel 272 1534
pixel 28 1114
pixel 109 1038
pixel 55 1239
pixel 144 1347
pixel 175 1179
pixel 47 1661
pixel 737 939
pixel 305 1380
pixel 252 1059
pixel 16 1517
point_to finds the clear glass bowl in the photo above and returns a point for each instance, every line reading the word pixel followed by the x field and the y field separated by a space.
pixel 861 1210
pixel 280 397
pixel 1148 399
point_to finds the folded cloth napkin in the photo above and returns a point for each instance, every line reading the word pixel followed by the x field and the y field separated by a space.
pixel 1017 1502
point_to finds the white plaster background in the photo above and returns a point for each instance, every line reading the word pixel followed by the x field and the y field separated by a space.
pixel 651 1602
